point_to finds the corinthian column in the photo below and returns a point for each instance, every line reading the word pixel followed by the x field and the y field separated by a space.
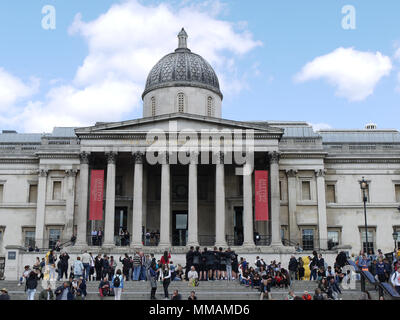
pixel 193 219
pixel 110 200
pixel 70 204
pixel 165 210
pixel 81 237
pixel 275 200
pixel 220 240
pixel 137 201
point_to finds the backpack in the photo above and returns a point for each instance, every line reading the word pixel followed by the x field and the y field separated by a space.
pixel 116 282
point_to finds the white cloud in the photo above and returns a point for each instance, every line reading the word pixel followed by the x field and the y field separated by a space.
pixel 355 74
pixel 13 89
pixel 320 126
pixel 124 44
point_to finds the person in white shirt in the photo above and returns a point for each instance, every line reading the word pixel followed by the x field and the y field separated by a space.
pixel 193 276
pixel 86 258
pixel 395 279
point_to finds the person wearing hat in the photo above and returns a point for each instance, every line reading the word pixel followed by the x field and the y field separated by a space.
pixel 4 294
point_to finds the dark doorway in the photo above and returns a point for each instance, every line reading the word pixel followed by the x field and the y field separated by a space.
pixel 179 228
pixel 121 223
pixel 238 226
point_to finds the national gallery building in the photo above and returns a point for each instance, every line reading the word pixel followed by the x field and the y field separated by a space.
pixel 312 196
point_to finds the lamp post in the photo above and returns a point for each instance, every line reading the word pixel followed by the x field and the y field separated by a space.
pixel 364 187
pixel 395 236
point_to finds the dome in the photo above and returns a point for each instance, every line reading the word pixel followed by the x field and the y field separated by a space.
pixel 182 68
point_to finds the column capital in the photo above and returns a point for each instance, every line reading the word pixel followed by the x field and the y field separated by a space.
pixel 71 172
pixel 138 157
pixel 291 173
pixel 164 157
pixel 84 156
pixel 274 157
pixel 111 157
pixel 320 173
pixel 42 172
pixel 194 157
pixel 220 156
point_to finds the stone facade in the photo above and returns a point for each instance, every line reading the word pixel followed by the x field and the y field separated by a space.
pixel 314 191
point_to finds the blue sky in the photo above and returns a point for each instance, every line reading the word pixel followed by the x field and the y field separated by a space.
pixel 277 60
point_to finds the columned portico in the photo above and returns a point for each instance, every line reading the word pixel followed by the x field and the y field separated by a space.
pixel 275 200
pixel 193 208
pixel 165 208
pixel 81 237
pixel 110 200
pixel 220 240
pixel 137 201
pixel 41 208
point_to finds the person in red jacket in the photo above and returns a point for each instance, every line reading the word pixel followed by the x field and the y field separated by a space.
pixel 306 296
pixel 165 258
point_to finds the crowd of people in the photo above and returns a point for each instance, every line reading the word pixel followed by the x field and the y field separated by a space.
pixel 201 265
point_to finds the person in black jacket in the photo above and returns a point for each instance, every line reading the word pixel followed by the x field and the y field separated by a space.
pixel 197 259
pixel 31 285
pixel 293 267
pixel 215 268
pixel 210 260
pixel 203 265
pixel 314 266
pixel 64 257
pixel 222 264
pixel 125 266
pixel 98 265
pixel 189 261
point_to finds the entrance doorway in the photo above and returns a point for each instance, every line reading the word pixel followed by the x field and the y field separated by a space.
pixel 238 226
pixel 179 228
pixel 121 226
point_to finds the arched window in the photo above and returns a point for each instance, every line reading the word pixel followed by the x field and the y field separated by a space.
pixel 153 106
pixel 181 102
pixel 210 109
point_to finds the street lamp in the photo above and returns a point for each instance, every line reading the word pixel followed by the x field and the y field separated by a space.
pixel 395 236
pixel 364 188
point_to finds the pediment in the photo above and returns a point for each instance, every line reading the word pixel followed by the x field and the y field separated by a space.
pixel 175 122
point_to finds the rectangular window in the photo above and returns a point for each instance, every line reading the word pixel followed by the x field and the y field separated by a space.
pixel 33 188
pixel 308 239
pixel 397 229
pixel 333 239
pixel 240 185
pixel 280 191
pixel 367 247
pixel 397 192
pixel 54 236
pixel 29 238
pixel 1 192
pixel 330 193
pixel 57 190
pixel 305 190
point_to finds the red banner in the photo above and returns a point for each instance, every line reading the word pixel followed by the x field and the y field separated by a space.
pixel 96 195
pixel 261 195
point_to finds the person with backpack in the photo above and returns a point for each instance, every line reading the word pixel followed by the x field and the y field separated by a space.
pixel 117 284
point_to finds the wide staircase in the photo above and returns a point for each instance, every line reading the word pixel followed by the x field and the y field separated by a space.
pixel 207 290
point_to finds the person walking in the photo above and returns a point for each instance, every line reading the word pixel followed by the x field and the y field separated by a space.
pixel 31 285
pixel 117 283
pixel 166 279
